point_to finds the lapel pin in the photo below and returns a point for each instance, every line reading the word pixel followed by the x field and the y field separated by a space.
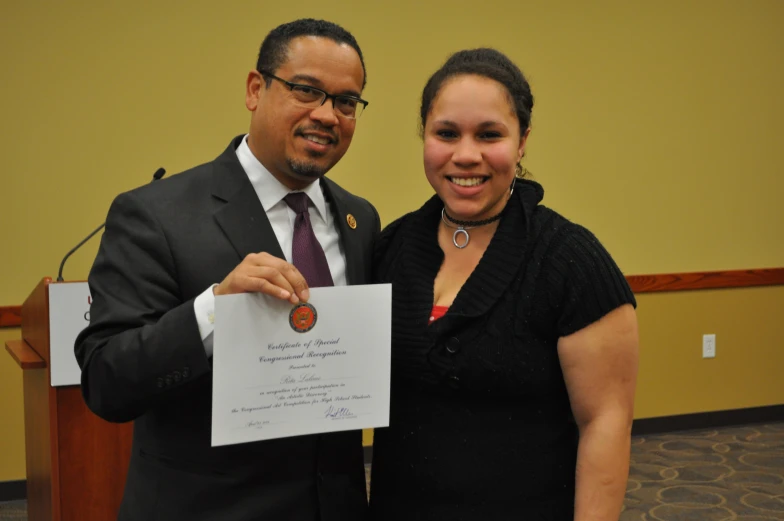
pixel 352 223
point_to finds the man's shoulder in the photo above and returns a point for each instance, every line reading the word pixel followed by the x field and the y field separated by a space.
pixel 196 180
pixel 347 197
pixel 181 184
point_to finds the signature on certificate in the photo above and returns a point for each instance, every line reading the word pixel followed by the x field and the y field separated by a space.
pixel 338 412
pixel 256 424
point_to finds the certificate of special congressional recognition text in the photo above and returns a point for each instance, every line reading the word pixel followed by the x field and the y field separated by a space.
pixel 283 370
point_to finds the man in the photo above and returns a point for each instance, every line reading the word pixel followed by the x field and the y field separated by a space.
pixel 225 227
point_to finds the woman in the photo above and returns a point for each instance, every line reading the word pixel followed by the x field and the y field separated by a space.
pixel 514 338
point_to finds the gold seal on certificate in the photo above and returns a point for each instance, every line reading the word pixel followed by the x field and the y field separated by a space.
pixel 303 317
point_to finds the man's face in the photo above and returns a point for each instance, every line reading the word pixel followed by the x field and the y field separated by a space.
pixel 298 144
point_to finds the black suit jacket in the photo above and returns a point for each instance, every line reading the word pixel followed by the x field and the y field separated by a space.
pixel 143 359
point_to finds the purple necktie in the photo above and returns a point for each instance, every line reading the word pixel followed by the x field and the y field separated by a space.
pixel 306 252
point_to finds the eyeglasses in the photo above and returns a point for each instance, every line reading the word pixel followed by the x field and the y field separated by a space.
pixel 349 107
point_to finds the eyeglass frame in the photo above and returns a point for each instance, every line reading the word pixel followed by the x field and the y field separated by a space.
pixel 326 94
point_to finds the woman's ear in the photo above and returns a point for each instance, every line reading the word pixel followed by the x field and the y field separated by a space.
pixel 523 141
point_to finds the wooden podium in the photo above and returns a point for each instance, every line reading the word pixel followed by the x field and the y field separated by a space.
pixel 76 462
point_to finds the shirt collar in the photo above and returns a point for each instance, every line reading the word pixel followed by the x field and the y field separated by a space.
pixel 271 191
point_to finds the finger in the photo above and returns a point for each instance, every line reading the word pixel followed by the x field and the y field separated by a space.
pixel 265 259
pixel 296 280
pixel 298 284
pixel 275 277
pixel 262 285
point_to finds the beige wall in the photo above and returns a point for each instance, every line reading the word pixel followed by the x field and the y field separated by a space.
pixel 12 457
pixel 657 126
pixel 675 379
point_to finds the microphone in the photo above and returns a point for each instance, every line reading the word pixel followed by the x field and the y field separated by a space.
pixel 157 175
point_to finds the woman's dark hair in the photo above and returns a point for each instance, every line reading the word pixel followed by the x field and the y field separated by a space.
pixel 488 63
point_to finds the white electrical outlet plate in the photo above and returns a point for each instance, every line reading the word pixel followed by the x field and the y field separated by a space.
pixel 708 346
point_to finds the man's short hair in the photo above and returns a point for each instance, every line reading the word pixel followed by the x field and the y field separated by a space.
pixel 275 47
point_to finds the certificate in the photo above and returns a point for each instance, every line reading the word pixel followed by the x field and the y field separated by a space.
pixel 283 370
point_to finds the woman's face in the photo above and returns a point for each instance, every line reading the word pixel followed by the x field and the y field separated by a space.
pixel 472 144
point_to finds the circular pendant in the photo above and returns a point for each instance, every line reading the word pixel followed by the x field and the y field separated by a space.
pixel 454 238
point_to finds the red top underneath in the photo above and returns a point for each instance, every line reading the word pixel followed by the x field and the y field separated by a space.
pixel 438 312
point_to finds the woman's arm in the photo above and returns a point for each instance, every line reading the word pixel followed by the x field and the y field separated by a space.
pixel 599 364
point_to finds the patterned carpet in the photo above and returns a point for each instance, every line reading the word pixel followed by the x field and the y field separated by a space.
pixel 13 510
pixel 729 474
pixel 723 474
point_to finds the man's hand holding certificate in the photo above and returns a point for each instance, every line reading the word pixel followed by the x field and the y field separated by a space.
pixel 282 369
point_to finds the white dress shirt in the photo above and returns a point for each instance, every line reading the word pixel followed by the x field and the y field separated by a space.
pixel 271 193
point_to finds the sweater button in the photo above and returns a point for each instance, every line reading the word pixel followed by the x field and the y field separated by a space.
pixel 453 345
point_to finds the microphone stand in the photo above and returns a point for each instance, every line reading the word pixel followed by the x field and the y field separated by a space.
pixel 157 175
pixel 60 272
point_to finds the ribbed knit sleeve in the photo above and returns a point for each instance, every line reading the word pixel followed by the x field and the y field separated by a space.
pixel 585 281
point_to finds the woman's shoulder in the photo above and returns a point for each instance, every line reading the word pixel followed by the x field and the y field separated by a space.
pixel 547 225
pixel 578 276
pixel 397 228
pixel 567 238
pixel 410 222
pixel 392 239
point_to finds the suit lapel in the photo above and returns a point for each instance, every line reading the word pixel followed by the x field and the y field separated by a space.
pixel 349 238
pixel 241 217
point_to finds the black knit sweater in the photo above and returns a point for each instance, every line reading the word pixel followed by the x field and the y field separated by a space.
pixel 481 426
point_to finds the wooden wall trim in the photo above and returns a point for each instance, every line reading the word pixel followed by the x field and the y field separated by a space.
pixel 706 280
pixel 11 316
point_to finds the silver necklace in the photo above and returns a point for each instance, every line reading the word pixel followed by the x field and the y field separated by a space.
pixel 462 227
